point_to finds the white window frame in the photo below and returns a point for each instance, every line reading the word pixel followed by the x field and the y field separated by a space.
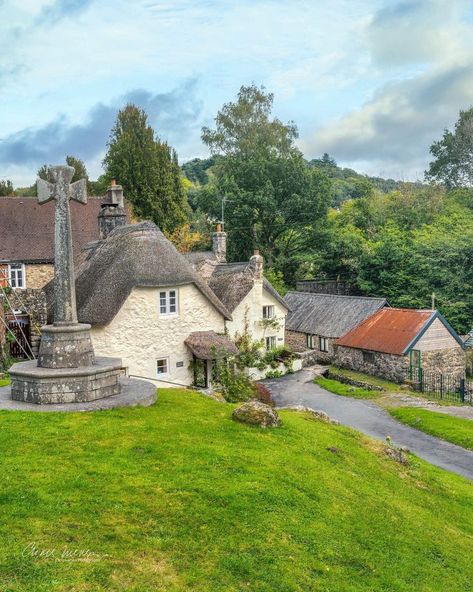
pixel 168 300
pixel 269 308
pixel 166 360
pixel 271 340
pixel 323 344
pixel 310 341
pixel 15 268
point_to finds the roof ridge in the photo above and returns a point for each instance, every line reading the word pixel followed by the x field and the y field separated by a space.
pixel 337 295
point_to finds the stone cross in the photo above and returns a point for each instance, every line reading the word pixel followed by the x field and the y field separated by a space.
pixel 61 190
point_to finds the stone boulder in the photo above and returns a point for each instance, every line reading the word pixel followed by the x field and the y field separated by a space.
pixel 256 413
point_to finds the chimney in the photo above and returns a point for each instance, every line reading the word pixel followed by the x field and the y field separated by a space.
pixel 219 244
pixel 257 264
pixel 112 213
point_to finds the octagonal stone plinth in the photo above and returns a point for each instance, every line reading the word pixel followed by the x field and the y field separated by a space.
pixel 33 384
pixel 66 346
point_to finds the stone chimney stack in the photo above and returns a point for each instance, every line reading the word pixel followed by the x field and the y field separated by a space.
pixel 257 265
pixel 219 244
pixel 112 213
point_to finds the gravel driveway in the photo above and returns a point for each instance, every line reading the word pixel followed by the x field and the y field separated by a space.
pixel 369 418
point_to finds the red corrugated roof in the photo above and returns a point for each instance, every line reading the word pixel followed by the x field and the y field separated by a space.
pixel 27 229
pixel 390 330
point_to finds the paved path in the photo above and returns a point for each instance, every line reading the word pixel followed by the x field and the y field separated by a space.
pixel 369 418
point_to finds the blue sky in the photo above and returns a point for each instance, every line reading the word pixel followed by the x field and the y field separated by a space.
pixel 372 82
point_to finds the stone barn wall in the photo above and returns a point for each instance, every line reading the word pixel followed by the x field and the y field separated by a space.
pixel 389 366
pixel 446 361
pixel 298 343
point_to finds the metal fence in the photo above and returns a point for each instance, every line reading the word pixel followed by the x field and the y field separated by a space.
pixel 446 387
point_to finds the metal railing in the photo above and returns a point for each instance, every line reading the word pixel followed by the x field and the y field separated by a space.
pixel 454 387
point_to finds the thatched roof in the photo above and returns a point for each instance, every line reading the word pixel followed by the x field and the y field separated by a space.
pixel 208 345
pixel 328 315
pixel 231 282
pixel 136 255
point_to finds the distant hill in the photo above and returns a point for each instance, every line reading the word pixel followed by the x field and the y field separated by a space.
pixel 347 183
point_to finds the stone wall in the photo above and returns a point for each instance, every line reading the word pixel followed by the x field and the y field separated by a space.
pixel 446 361
pixel 387 366
pixel 298 343
pixel 38 275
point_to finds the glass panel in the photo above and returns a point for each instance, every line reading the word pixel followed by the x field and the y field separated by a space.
pixel 172 301
pixel 162 303
pixel 162 366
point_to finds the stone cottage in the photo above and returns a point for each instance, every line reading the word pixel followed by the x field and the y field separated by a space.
pixel 27 252
pixel 316 321
pixel 394 343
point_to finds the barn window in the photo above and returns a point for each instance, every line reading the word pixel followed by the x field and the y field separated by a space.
pixel 310 341
pixel 323 344
pixel 368 357
pixel 168 302
pixel 16 275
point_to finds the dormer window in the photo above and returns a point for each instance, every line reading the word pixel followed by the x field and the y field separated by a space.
pixel 268 312
pixel 16 275
pixel 168 302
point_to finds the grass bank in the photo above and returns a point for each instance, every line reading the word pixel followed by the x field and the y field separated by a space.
pixel 453 429
pixel 346 390
pixel 178 497
pixel 4 382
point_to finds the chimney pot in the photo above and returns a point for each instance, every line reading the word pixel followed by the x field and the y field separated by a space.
pixel 256 252
pixel 113 183
pixel 219 227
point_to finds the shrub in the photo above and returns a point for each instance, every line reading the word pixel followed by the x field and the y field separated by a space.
pixel 262 393
pixel 233 384
pixel 273 374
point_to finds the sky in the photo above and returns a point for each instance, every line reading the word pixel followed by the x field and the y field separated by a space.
pixel 371 82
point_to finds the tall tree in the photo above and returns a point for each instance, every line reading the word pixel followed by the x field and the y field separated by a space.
pixel 145 167
pixel 453 164
pixel 6 188
pixel 272 198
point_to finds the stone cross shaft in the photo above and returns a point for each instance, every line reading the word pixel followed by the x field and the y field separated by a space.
pixel 61 190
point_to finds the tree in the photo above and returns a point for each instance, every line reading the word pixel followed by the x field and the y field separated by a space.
pixel 273 199
pixel 44 172
pixel 147 168
pixel 453 164
pixel 6 188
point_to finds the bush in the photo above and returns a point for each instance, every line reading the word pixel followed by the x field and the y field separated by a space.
pixel 273 374
pixel 232 383
pixel 262 393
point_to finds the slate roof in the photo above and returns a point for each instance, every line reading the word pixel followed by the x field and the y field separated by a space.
pixel 231 282
pixel 328 315
pixel 392 330
pixel 137 255
pixel 27 229
pixel 208 345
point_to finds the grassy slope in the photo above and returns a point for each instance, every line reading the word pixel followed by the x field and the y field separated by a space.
pixel 4 382
pixel 346 390
pixel 178 497
pixel 453 429
pixel 387 385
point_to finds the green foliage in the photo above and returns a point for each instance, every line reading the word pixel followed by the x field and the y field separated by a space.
pixel 44 172
pixel 453 429
pixel 272 197
pixel 231 381
pixel 453 164
pixel 6 188
pixel 147 168
pixel 276 279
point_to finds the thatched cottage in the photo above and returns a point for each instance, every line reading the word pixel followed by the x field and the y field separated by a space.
pixel 394 343
pixel 148 305
pixel 316 321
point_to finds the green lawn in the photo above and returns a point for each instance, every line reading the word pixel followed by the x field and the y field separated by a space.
pixel 453 429
pixel 346 390
pixel 386 385
pixel 4 382
pixel 178 497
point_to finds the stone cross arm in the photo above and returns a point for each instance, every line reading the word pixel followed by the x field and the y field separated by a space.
pixel 62 188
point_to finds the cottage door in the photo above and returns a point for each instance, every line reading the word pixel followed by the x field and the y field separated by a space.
pixel 19 335
pixel 200 373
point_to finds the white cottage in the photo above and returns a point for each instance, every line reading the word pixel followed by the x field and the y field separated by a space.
pixel 148 306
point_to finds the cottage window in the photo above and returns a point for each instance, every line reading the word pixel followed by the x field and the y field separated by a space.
pixel 162 365
pixel 270 342
pixel 168 302
pixel 368 357
pixel 16 275
pixel 323 344
pixel 310 341
pixel 268 312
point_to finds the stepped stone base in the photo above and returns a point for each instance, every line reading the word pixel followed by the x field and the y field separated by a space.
pixel 43 386
pixel 66 346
